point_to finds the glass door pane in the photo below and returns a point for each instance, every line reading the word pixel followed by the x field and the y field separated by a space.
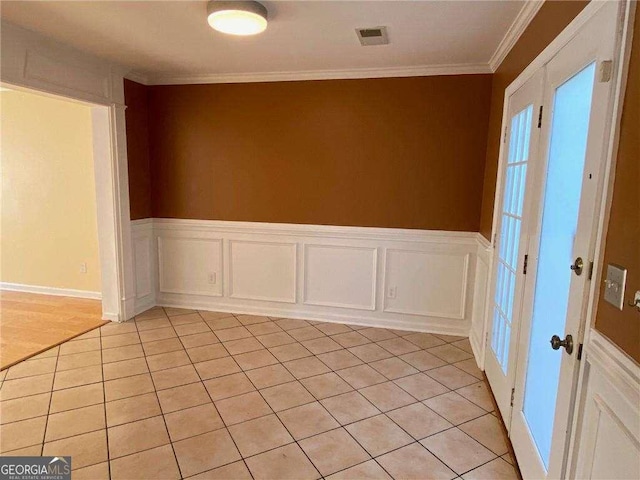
pixel 511 222
pixel 563 186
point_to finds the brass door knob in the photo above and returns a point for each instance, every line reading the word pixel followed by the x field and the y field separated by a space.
pixel 578 266
pixel 567 343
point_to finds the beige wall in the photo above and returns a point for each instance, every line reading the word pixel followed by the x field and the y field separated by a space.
pixel 47 202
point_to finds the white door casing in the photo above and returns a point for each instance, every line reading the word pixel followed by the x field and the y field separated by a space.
pixel 31 61
pixel 591 37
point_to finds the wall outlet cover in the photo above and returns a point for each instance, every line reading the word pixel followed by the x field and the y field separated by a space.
pixel 614 285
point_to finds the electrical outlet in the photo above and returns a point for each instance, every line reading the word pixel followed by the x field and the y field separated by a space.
pixel 392 292
pixel 212 278
pixel 83 267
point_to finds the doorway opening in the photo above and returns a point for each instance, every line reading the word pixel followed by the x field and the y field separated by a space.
pixel 51 279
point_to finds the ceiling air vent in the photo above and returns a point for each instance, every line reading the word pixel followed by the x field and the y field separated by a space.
pixel 372 36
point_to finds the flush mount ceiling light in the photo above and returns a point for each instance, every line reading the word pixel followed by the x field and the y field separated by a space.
pixel 237 18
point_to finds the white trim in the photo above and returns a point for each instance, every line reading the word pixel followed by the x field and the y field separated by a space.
pixel 619 368
pixel 609 394
pixel 386 72
pixel 142 222
pixel 625 32
pixel 326 231
pixel 59 292
pixel 441 328
pixel 621 78
pixel 459 315
pixel 554 47
pixel 34 62
pixel 294 294
pixel 374 277
pixel 342 308
pixel 161 287
pixel 527 13
pixel 138 77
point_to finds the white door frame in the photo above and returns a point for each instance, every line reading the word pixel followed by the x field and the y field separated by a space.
pixel 619 77
pixel 621 71
pixel 33 62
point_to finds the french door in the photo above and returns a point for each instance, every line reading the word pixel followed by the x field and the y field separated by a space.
pixel 541 291
pixel 521 139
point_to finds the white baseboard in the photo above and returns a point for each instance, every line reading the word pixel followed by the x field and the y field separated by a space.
pixel 433 326
pixel 60 292
pixel 477 349
pixel 415 280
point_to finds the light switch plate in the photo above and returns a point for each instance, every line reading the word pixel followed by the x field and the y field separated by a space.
pixel 614 285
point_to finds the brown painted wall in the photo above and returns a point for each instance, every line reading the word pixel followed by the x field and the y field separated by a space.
pixel 398 152
pixel 552 18
pixel 623 236
pixel 137 119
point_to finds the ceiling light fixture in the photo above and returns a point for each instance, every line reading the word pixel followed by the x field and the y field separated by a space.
pixel 237 17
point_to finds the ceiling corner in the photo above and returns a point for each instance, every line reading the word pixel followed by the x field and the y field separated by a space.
pixel 517 28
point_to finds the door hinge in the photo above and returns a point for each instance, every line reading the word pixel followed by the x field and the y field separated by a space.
pixel 540 117
pixel 526 263
pixel 504 139
pixel 590 270
pixel 579 355
pixel 513 394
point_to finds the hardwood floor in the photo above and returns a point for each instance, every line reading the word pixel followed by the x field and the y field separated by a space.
pixel 32 323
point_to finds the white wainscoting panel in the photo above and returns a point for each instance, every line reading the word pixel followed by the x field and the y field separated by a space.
pixel 425 283
pixel 142 258
pixel 262 271
pixel 608 427
pixel 340 276
pixel 145 265
pixel 481 302
pixel 191 266
pixel 314 272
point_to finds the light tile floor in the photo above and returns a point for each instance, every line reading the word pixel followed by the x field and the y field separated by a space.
pixel 185 394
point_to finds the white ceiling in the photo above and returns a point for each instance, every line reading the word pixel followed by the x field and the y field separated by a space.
pixel 171 42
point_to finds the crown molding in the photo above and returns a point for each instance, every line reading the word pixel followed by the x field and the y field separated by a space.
pixel 415 71
pixel 517 28
pixel 138 77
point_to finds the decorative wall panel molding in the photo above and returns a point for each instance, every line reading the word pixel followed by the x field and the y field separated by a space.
pixel 190 265
pixel 262 270
pixel 340 276
pixel 482 300
pixel 405 279
pixel 145 265
pixel 608 427
pixel 426 283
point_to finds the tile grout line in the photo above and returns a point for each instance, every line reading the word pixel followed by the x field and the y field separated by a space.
pixel 104 403
pixel 164 421
pixel 295 379
pixel 224 423
pixel 243 371
pixel 285 427
pixel 53 381
pixel 343 427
